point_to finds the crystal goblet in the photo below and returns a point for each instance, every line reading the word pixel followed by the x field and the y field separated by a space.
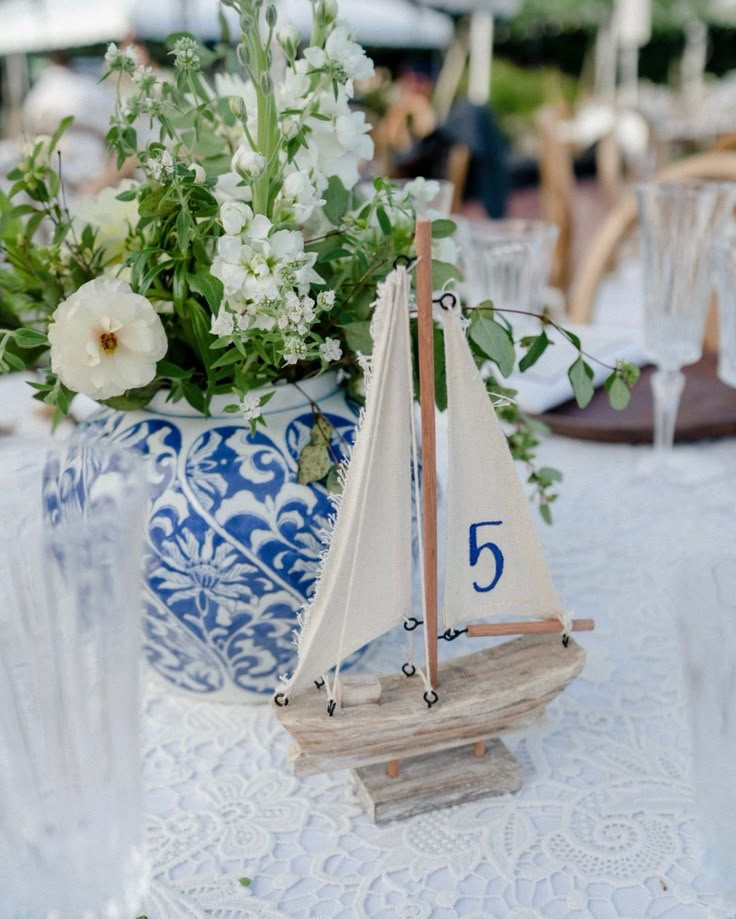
pixel 70 768
pixel 678 223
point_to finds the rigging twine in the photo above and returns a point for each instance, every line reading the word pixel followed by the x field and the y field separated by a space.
pixel 332 689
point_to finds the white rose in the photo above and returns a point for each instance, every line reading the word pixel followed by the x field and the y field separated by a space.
pixel 105 339
pixel 234 215
pixel 111 219
pixel 248 163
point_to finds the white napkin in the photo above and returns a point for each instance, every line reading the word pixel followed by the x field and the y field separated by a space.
pixel 545 385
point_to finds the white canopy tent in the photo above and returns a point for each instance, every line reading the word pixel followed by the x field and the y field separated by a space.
pixel 43 25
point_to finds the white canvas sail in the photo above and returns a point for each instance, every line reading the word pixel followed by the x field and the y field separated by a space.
pixel 494 561
pixel 365 586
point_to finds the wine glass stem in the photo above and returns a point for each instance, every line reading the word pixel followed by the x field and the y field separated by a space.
pixel 667 386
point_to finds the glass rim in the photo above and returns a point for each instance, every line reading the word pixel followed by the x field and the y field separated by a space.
pixel 692 186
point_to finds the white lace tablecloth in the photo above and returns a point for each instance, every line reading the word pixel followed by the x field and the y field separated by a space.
pixel 603 826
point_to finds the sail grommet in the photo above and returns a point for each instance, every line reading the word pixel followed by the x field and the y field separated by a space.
pixel 408 669
pixel 565 639
pixel 331 706
pixel 320 682
pixel 411 623
pixel 431 698
pixel 281 700
pixel 447 301
pixel 404 261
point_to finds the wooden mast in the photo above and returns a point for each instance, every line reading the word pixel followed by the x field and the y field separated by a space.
pixel 425 334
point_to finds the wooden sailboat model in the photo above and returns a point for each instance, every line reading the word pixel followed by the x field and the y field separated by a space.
pixel 433 720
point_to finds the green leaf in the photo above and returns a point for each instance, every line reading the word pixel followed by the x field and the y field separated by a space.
pixel 322 432
pixel 546 513
pixel 581 379
pixel 358 336
pixel 494 341
pixel 232 356
pixel 245 882
pixel 383 221
pixel 337 201
pixel 442 273
pixel 208 286
pixel 619 393
pixel 443 228
pixel 536 350
pixel 183 229
pixel 170 371
pixel 56 136
pixel 314 464
pixel 133 398
pixel 30 338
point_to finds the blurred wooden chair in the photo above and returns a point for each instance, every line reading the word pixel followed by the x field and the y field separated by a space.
pixel 557 180
pixel 622 221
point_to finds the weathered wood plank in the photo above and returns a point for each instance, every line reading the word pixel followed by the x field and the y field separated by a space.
pixel 481 694
pixel 360 689
pixel 436 780
pixel 535 627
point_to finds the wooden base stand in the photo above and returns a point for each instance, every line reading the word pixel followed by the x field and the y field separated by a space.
pixel 435 780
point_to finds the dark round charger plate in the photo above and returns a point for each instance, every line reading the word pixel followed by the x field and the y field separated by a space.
pixel 707 410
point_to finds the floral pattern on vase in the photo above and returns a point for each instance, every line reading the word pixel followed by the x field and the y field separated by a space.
pixel 234 540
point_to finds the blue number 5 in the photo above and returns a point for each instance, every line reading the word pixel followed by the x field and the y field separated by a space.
pixel 476 549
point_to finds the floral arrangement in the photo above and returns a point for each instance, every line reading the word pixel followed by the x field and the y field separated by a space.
pixel 243 254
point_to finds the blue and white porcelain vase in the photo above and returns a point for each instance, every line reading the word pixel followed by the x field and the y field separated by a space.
pixel 234 540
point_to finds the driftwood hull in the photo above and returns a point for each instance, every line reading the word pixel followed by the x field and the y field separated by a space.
pixel 480 695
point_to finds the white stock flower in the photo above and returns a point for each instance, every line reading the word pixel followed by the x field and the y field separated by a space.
pixel 325 300
pixel 230 187
pixel 247 162
pixel 161 167
pixel 330 350
pixel 299 196
pixel 105 339
pixel 342 58
pixel 234 215
pixel 111 219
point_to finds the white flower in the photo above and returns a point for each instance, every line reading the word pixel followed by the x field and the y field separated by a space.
pixel 330 350
pixel 299 196
pixel 288 36
pixel 111 219
pixel 105 339
pixel 200 176
pixel 222 324
pixel 124 61
pixel 352 131
pixel 144 78
pixel 343 59
pixel 325 300
pixel 230 187
pixel 294 350
pixel 186 54
pixel 161 168
pixel 247 162
pixel 422 190
pixel 250 406
pixel 234 215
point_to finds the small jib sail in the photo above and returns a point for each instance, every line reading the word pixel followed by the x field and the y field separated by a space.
pixel 365 584
pixel 494 562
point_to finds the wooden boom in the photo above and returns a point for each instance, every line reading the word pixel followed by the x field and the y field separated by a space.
pixel 535 627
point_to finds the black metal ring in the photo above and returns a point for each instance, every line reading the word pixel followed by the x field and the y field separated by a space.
pixel 406 261
pixel 331 706
pixel 452 634
pixel 565 640
pixel 319 683
pixel 427 698
pixel 408 669
pixel 415 623
pixel 281 700
pixel 447 300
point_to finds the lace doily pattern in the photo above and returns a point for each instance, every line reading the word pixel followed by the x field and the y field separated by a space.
pixel 604 824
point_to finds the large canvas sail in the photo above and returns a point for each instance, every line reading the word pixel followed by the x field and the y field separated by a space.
pixel 365 586
pixel 494 561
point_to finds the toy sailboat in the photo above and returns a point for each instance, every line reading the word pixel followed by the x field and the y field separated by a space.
pixel 435 720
